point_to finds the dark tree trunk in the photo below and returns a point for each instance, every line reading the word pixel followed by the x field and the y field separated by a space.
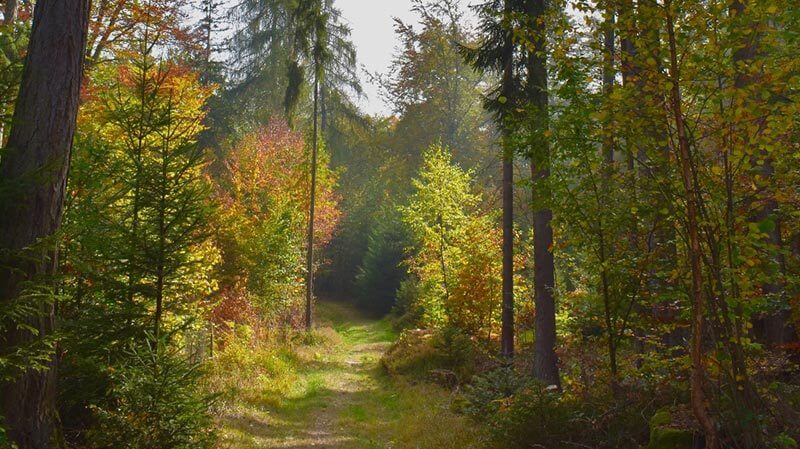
pixel 311 212
pixel 609 75
pixel 33 172
pixel 545 364
pixel 507 336
pixel 507 330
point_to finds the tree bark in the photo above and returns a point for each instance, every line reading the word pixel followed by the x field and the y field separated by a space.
pixel 33 172
pixel 507 337
pixel 507 329
pixel 545 364
pixel 311 212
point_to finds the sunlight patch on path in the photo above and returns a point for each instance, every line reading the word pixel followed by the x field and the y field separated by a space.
pixel 337 379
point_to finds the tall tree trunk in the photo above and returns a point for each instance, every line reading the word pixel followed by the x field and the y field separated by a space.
pixel 311 211
pixel 507 329
pixel 609 75
pixel 33 172
pixel 698 375
pixel 507 337
pixel 545 363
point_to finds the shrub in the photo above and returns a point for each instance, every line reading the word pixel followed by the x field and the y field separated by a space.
pixel 413 352
pixel 407 309
pixel 447 352
pixel 154 403
pixel 487 392
pixel 523 413
pixel 455 252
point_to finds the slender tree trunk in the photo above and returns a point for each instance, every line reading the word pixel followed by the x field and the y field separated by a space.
pixel 33 173
pixel 698 374
pixel 545 363
pixel 507 337
pixel 443 259
pixel 611 332
pixel 162 242
pixel 507 317
pixel 609 75
pixel 311 211
pixel 323 111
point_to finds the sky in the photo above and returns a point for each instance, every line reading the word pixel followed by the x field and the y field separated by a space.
pixel 373 34
pixel 372 26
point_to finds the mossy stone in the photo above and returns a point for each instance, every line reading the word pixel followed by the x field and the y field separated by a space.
pixel 662 436
pixel 661 418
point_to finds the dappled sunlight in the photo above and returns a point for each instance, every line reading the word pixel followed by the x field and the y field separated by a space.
pixel 343 399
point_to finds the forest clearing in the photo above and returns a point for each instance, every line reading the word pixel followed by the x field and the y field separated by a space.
pixel 400 224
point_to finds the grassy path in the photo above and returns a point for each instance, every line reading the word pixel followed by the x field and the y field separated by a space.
pixel 333 394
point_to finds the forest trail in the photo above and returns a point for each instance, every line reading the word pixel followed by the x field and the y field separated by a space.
pixel 341 398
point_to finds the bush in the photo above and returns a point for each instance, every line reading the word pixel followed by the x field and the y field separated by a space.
pixel 523 413
pixel 154 403
pixel 487 392
pixel 448 354
pixel 412 353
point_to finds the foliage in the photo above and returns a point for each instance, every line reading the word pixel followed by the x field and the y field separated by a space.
pixel 264 193
pixel 485 395
pixel 447 356
pixel 139 261
pixel 454 258
pixel 154 403
pixel 13 44
pixel 187 211
pixel 433 90
pixel 139 206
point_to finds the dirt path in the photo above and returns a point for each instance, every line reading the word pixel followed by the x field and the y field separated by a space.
pixel 338 397
pixel 347 373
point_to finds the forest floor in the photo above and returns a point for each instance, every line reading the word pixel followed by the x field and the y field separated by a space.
pixel 339 396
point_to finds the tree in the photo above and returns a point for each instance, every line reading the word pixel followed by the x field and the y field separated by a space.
pixel 496 53
pixel 692 223
pixel 33 170
pixel 455 253
pixel 10 12
pixel 264 190
pixel 545 365
pixel 435 93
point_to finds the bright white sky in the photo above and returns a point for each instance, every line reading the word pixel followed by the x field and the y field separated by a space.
pixel 373 34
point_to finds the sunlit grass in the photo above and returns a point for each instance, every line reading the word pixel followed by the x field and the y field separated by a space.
pixel 328 388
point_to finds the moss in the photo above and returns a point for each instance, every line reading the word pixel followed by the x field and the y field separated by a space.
pixel 661 418
pixel 669 438
pixel 662 436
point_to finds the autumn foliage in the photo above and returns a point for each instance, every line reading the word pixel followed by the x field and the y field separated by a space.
pixel 264 194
